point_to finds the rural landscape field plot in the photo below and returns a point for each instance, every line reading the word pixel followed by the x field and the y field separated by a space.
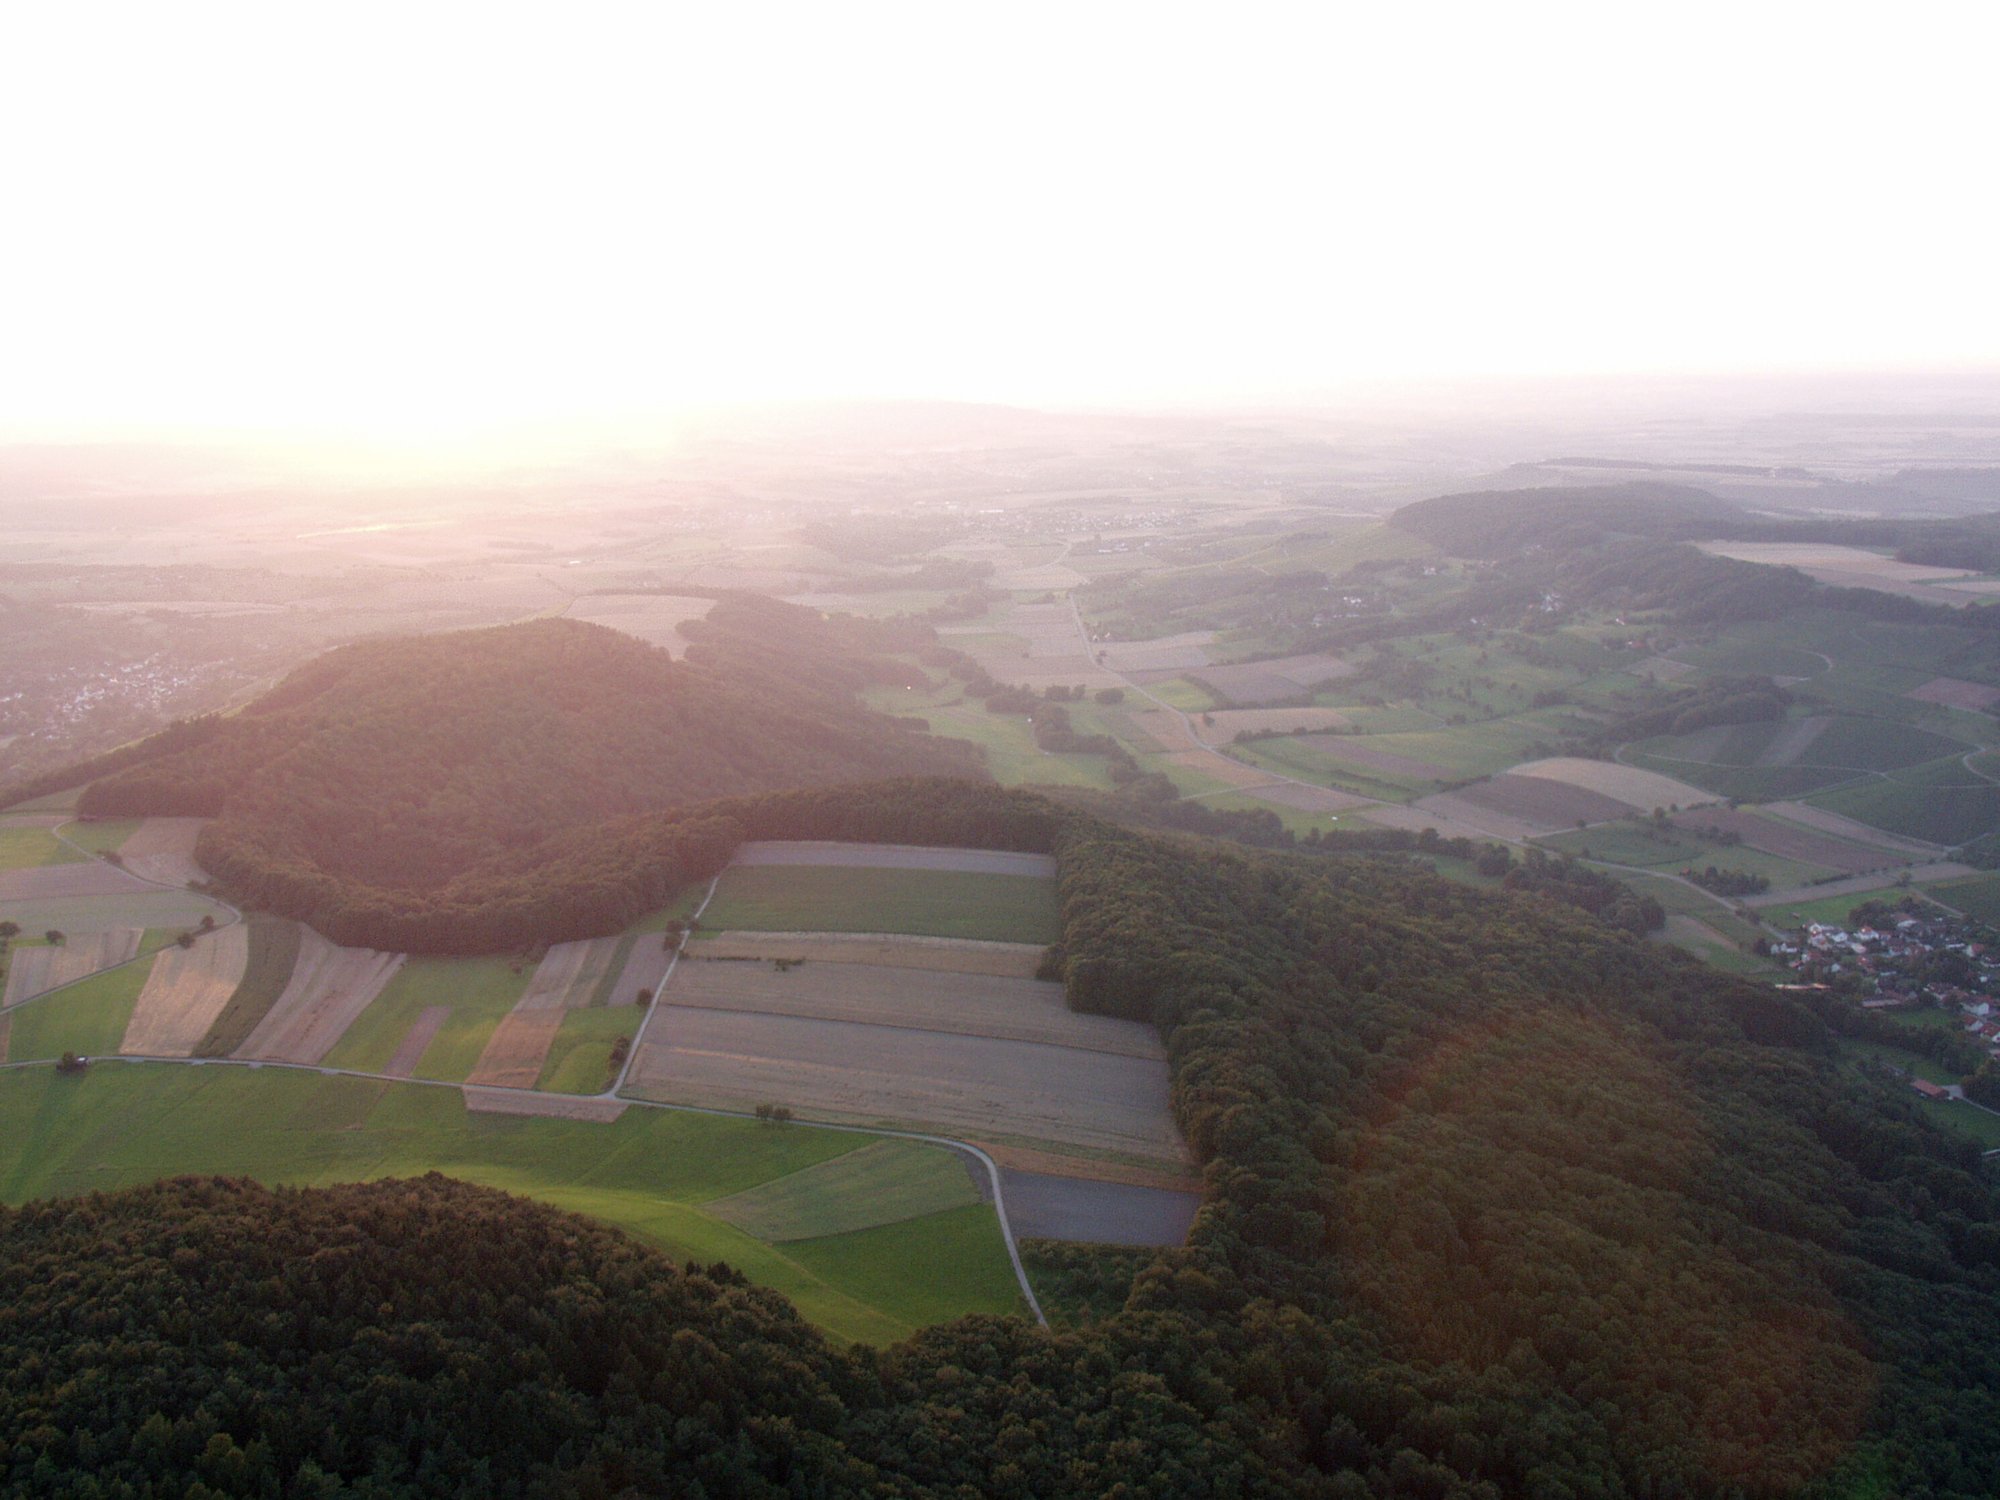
pixel 88 1018
pixel 653 618
pixel 823 898
pixel 893 950
pixel 1941 802
pixel 28 842
pixel 330 987
pixel 570 977
pixel 454 1004
pixel 185 992
pixel 651 1172
pixel 162 850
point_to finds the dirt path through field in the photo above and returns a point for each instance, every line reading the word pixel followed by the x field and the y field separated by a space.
pixel 37 970
pixel 410 1051
pixel 185 992
pixel 489 1101
pixel 330 987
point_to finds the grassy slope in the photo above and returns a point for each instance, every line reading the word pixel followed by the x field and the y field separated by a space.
pixel 884 1182
pixel 478 991
pixel 808 898
pixel 579 1060
pixel 88 1018
pixel 101 836
pixel 29 848
pixel 647 1173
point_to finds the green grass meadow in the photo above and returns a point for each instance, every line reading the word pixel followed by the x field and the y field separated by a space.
pixel 650 1173
pixel 579 1060
pixel 88 1018
pixel 478 992
pixel 926 903
pixel 23 846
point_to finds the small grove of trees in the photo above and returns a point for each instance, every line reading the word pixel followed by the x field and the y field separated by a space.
pixel 774 1114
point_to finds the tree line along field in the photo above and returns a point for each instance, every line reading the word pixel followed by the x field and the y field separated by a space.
pixel 652 1172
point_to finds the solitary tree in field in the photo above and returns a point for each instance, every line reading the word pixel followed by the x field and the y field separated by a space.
pixel 54 937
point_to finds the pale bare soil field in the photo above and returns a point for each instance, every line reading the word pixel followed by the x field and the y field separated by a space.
pixel 567 977
pixel 1850 567
pixel 480 1101
pixel 1347 748
pixel 1537 800
pixel 35 971
pixel 880 995
pixel 1470 819
pixel 843 1071
pixel 1847 828
pixel 1788 840
pixel 329 988
pixel 1956 692
pixel 1226 725
pixel 86 878
pixel 1165 728
pixel 894 857
pixel 1167 653
pixel 1307 798
pixel 185 992
pixel 162 850
pixel 1221 767
pixel 943 955
pixel 1644 790
pixel 423 1031
pixel 653 618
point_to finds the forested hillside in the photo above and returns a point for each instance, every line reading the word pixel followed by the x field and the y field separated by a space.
pixel 383 775
pixel 1500 1202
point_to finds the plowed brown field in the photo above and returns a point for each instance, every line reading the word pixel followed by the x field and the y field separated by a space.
pixel 185 992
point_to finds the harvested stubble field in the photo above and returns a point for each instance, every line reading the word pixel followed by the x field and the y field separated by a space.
pixel 329 988
pixel 83 878
pixel 185 993
pixel 1253 683
pixel 1643 790
pixel 805 898
pixel 973 1005
pixel 1310 799
pixel 1219 768
pixel 1536 800
pixel 1167 653
pixel 946 955
pixel 1788 840
pixel 34 970
pixel 1452 814
pixel 162 850
pixel 1956 692
pixel 568 977
pixel 651 1172
pixel 273 945
pixel 839 1070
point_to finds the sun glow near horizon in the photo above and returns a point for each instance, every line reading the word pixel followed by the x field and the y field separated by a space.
pixel 450 219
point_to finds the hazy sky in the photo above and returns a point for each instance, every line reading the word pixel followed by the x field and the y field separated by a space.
pixel 409 216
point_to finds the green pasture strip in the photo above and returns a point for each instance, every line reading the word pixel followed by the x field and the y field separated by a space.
pixel 603 994
pixel 1940 800
pixel 885 1182
pixel 963 1259
pixel 477 991
pixel 88 1018
pixel 274 951
pixel 1925 1018
pixel 1978 896
pixel 1290 757
pixel 1628 844
pixel 1963 1117
pixel 579 1060
pixel 1896 1057
pixel 1008 742
pixel 928 903
pixel 123 1124
pixel 1296 819
pixel 27 847
pixel 101 836
pixel 1833 909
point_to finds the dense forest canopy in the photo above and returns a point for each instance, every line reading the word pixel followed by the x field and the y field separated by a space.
pixel 1496 523
pixel 394 771
pixel 1500 1201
